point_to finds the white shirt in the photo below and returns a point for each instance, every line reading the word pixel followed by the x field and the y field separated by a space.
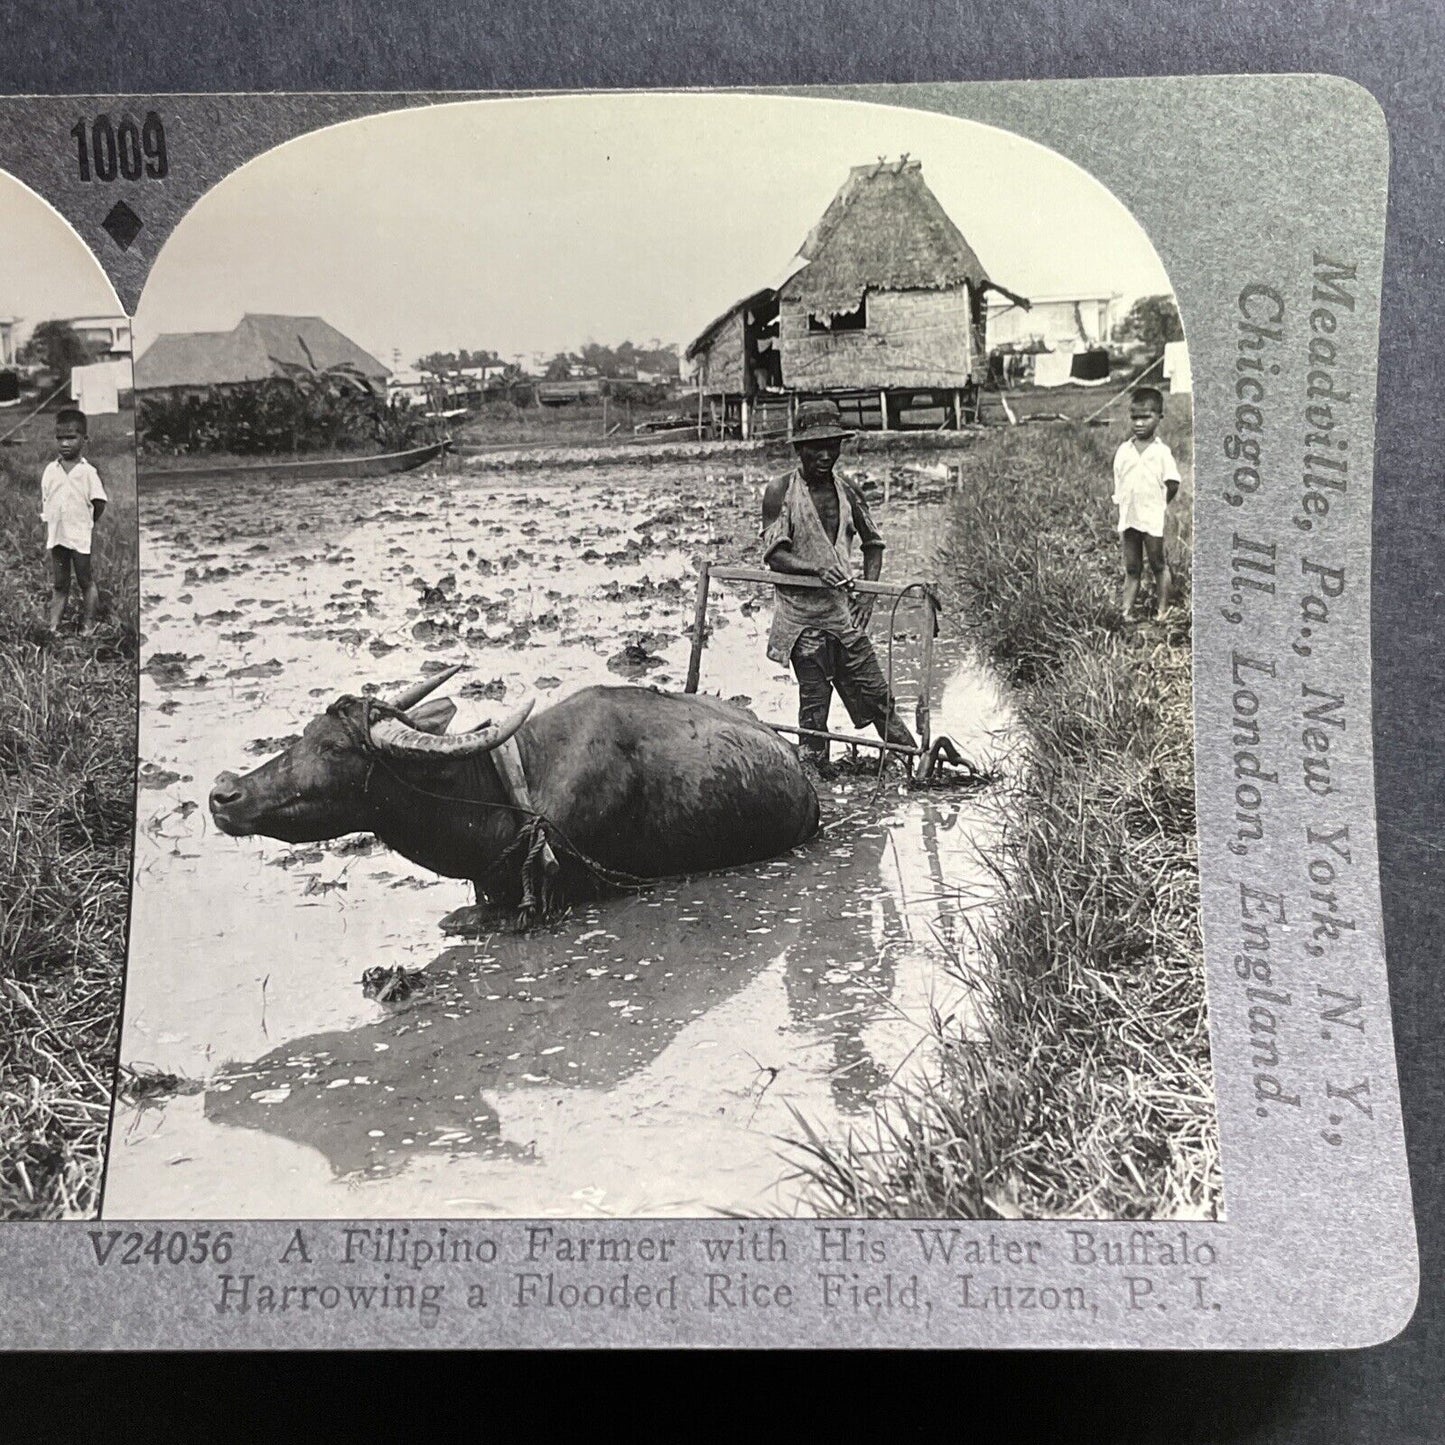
pixel 1140 490
pixel 65 499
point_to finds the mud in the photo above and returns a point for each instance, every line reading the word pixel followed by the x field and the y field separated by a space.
pixel 641 1057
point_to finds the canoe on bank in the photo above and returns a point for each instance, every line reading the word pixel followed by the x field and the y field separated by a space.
pixel 320 469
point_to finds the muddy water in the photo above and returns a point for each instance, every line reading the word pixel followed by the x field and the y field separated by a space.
pixel 640 1058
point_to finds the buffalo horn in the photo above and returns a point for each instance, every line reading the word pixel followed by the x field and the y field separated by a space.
pixel 391 735
pixel 410 696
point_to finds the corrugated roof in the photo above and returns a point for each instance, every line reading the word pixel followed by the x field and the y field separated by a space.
pixel 884 231
pixel 257 348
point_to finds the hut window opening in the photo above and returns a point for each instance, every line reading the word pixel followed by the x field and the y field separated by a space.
pixel 828 322
pixel 760 346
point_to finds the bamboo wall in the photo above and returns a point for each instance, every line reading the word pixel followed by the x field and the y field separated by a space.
pixel 913 338
pixel 722 367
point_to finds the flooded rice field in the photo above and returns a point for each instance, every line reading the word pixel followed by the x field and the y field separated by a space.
pixel 642 1056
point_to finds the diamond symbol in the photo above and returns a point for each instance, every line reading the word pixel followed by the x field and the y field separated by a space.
pixel 122 225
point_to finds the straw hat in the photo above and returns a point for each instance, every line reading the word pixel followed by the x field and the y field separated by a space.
pixel 819 421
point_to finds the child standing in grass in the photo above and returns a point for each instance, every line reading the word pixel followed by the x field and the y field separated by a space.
pixel 71 501
pixel 1145 482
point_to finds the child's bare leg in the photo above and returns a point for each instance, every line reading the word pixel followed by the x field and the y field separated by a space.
pixel 1159 566
pixel 1164 580
pixel 1132 543
pixel 85 579
pixel 59 586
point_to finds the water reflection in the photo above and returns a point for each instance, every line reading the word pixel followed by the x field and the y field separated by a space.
pixel 589 1004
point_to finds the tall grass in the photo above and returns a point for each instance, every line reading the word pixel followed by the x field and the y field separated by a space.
pixel 67 779
pixel 1090 1091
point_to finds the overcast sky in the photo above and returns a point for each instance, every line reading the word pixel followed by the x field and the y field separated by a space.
pixel 46 270
pixel 535 225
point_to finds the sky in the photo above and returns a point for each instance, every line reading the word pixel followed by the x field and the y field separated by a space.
pixel 532 226
pixel 46 270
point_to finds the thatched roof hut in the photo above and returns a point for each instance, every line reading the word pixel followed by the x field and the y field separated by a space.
pixel 884 231
pixel 892 295
pixel 722 352
pixel 886 295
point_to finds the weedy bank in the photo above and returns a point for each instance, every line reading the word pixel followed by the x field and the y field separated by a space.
pixel 67 778
pixel 1090 1091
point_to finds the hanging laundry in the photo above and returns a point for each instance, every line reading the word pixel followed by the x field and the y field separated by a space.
pixel 94 389
pixel 1051 368
pixel 1091 365
pixel 1176 366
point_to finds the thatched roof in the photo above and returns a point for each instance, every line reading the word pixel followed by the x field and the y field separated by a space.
pixel 259 347
pixel 884 231
pixel 752 300
pixel 704 338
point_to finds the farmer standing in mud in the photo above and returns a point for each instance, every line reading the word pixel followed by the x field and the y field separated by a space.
pixel 71 501
pixel 810 522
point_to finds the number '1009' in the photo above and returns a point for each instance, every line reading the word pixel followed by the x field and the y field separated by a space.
pixel 105 151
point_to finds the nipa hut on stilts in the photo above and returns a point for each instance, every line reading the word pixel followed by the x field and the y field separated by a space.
pixel 883 312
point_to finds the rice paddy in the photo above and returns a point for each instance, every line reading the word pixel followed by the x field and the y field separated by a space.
pixel 1077 1083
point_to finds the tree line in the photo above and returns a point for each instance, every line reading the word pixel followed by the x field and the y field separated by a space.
pixel 591 359
pixel 1154 321
pixel 58 348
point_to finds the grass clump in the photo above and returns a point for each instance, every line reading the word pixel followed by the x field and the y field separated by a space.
pixel 67 802
pixel 1089 1091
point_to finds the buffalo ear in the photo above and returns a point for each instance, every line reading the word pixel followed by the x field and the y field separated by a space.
pixel 432 716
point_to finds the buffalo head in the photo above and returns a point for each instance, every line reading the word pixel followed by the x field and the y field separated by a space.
pixel 317 788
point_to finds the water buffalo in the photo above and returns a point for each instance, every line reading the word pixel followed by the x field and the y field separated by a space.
pixel 624 784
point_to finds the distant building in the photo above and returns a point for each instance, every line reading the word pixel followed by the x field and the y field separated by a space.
pixel 257 348
pixel 576 388
pixel 490 371
pixel 108 337
pixel 411 385
pixel 883 311
pixel 1051 323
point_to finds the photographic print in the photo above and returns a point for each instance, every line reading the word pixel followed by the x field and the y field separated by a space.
pixel 535 426
pixel 68 599
pixel 696 718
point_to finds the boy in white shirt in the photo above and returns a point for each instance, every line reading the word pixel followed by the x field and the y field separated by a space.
pixel 71 501
pixel 1145 482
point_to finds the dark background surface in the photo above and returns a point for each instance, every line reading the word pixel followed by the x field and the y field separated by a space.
pixel 1396 48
